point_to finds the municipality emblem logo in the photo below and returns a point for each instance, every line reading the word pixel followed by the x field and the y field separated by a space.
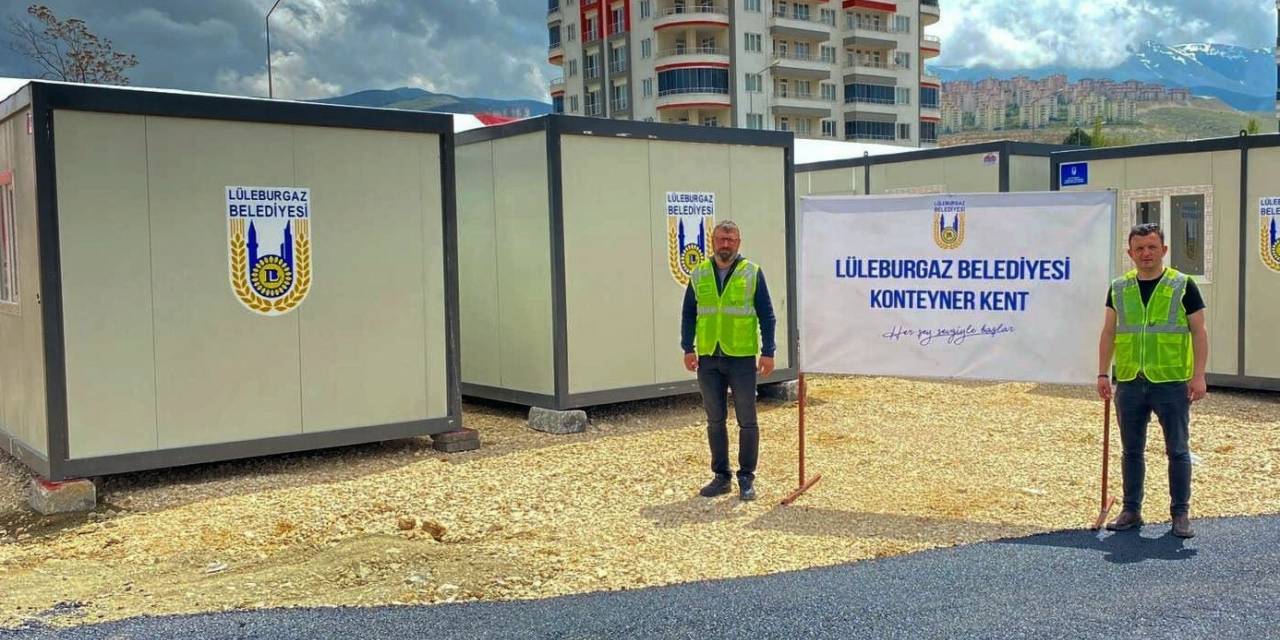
pixel 948 223
pixel 1269 233
pixel 269 247
pixel 691 217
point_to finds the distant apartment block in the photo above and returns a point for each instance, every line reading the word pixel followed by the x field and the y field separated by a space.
pixel 993 104
pixel 836 69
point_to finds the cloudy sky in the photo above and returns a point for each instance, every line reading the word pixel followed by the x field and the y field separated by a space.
pixel 497 48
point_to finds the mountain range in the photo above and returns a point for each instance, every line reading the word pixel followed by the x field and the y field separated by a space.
pixel 1243 78
pixel 421 100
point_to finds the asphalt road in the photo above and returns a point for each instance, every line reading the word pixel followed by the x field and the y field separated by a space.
pixel 1225 583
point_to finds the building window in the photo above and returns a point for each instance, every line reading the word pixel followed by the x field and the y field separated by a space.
pixel 755 82
pixel 557 104
pixel 784 123
pixel 864 130
pixel 710 121
pixel 828 54
pixel 902 59
pixel 753 41
pixel 903 95
pixel 646 9
pixel 902 24
pixel 828 92
pixel 553 35
pixel 1186 233
pixel 573 67
pixel 8 241
pixel 928 132
pixel 573 104
pixel 800 11
pixel 929 97
pixel 592 103
pixel 751 5
pixel 829 17
pixel 869 93
pixel 694 80
pixel 1184 214
pixel 646 87
pixel 617 21
pixel 571 32
pixel 802 127
pixel 619 98
pixel 755 121
pixel 904 132
pixel 646 48
pixel 591 66
pixel 828 128
pixel 618 59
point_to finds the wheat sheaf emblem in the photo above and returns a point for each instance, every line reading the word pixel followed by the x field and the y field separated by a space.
pixel 240 271
pixel 1267 250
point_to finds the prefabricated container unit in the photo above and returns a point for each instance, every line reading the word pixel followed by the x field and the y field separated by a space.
pixel 127 340
pixel 569 261
pixel 1208 196
pixel 989 167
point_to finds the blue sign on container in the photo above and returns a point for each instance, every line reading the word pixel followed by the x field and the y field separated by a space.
pixel 1073 174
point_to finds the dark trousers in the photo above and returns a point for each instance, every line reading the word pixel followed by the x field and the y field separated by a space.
pixel 1136 400
pixel 716 375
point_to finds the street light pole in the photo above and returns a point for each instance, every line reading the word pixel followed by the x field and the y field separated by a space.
pixel 751 95
pixel 270 88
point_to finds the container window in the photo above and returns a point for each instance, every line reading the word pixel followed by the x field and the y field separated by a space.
pixel 1186 234
pixel 1148 212
pixel 8 242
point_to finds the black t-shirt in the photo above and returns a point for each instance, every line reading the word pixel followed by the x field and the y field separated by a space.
pixel 1192 301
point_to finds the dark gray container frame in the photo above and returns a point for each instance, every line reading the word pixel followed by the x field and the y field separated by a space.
pixel 1243 143
pixel 44 98
pixel 1006 149
pixel 556 126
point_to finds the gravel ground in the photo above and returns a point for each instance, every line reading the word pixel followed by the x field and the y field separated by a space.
pixel 1061 585
pixel 907 466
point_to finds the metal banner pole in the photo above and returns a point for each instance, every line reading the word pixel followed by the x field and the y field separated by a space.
pixel 801 485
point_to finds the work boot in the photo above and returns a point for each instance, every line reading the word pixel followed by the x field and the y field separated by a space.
pixel 1182 527
pixel 718 486
pixel 746 490
pixel 1125 521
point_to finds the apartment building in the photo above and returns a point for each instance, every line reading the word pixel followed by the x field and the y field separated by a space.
pixel 835 69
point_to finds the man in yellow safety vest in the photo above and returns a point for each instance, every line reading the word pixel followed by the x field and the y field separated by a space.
pixel 727 320
pixel 1155 329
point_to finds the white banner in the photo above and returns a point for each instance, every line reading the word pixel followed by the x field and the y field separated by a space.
pixel 1004 286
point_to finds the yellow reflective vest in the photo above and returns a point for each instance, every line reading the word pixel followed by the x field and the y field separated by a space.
pixel 1154 338
pixel 727 318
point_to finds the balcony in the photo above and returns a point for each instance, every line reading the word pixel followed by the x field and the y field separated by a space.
pixel 884 106
pixel 800 65
pixel 694 98
pixel 617 28
pixel 804 105
pixel 590 36
pixel 795 26
pixel 930 46
pixel 617 66
pixel 929 12
pixel 877 137
pixel 687 56
pixel 619 105
pixel 870 35
pixel 925 78
pixel 556 85
pixel 872 67
pixel 553 11
pixel 593 109
pixel 707 15
pixel 555 53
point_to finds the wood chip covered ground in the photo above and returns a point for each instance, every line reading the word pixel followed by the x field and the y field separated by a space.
pixel 906 465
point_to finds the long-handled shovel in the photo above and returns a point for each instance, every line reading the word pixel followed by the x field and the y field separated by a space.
pixel 1107 501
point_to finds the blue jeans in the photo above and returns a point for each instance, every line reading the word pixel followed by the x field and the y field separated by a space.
pixel 1136 400
pixel 716 375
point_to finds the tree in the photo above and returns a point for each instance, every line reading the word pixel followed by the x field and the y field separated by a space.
pixel 1096 137
pixel 1079 137
pixel 66 50
pixel 1252 127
